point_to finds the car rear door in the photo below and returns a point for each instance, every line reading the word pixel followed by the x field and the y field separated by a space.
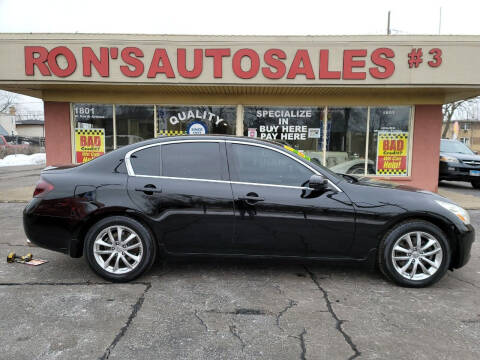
pixel 276 214
pixel 190 200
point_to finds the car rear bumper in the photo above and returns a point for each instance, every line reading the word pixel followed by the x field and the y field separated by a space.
pixel 458 171
pixel 46 231
pixel 463 251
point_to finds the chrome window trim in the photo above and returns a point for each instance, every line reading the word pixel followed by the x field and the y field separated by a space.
pixel 221 181
pixel 127 155
pixel 277 150
pixel 132 173
pixel 286 154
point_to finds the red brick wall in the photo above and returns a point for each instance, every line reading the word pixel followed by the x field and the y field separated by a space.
pixel 58 143
pixel 426 147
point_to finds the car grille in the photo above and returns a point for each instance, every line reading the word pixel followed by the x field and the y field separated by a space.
pixel 471 162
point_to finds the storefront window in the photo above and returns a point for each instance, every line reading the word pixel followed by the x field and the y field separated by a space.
pixel 299 127
pixel 346 138
pixel 95 116
pixel 389 140
pixel 196 120
pixel 134 123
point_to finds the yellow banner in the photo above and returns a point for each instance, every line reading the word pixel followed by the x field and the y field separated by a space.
pixel 89 144
pixel 392 150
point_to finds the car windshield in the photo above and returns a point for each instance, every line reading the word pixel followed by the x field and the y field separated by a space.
pixel 455 147
pixel 315 162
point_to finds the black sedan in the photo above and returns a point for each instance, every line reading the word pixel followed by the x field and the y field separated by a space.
pixel 459 163
pixel 234 196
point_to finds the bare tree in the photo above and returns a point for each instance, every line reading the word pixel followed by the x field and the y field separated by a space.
pixel 464 108
pixel 7 99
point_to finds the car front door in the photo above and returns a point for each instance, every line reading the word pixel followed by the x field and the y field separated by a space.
pixel 190 200
pixel 276 214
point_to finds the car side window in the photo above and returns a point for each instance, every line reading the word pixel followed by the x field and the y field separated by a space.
pixel 146 161
pixel 195 160
pixel 255 164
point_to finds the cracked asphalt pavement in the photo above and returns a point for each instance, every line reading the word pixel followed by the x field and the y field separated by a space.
pixel 212 309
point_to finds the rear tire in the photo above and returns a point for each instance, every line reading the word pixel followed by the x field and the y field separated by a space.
pixel 119 248
pixel 476 184
pixel 414 253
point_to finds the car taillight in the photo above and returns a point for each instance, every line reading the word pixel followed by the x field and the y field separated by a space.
pixel 43 187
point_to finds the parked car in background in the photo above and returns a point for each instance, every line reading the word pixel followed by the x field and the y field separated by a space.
pixel 4 144
pixel 240 197
pixel 459 163
pixel 355 167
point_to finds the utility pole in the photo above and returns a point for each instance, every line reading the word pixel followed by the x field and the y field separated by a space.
pixel 440 21
pixel 388 24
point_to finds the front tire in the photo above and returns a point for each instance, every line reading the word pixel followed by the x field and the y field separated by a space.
pixel 476 184
pixel 119 248
pixel 414 254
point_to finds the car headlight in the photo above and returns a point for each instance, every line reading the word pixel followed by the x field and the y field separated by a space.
pixel 448 159
pixel 461 213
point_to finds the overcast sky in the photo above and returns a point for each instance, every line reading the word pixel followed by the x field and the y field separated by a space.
pixel 244 17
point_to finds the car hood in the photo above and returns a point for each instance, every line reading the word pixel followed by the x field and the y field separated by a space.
pixel 363 180
pixel 461 156
pixel 373 191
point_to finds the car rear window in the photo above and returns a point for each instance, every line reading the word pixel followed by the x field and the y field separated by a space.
pixel 146 161
pixel 200 160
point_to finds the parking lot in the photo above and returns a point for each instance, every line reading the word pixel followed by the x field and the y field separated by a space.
pixel 209 309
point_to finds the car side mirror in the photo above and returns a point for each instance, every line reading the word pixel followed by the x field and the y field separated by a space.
pixel 318 182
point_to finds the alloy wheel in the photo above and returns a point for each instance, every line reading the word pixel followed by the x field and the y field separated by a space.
pixel 417 255
pixel 118 249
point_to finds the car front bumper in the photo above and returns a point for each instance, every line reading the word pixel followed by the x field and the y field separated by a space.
pixel 465 239
pixel 458 171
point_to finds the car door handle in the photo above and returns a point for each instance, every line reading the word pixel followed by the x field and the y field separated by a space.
pixel 148 189
pixel 250 198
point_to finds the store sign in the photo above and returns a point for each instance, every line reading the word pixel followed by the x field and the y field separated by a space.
pixel 89 144
pixel 195 114
pixel 298 126
pixel 237 60
pixel 286 124
pixel 270 63
pixel 392 150
pixel 196 119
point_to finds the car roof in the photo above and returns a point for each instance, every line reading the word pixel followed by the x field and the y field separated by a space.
pixel 165 138
pixel 120 153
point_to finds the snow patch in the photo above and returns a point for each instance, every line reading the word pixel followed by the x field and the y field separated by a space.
pixel 22 160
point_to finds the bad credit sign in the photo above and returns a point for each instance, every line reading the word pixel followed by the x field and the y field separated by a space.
pixel 89 144
pixel 392 150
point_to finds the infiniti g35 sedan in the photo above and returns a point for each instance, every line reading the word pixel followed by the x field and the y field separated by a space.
pixel 236 196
